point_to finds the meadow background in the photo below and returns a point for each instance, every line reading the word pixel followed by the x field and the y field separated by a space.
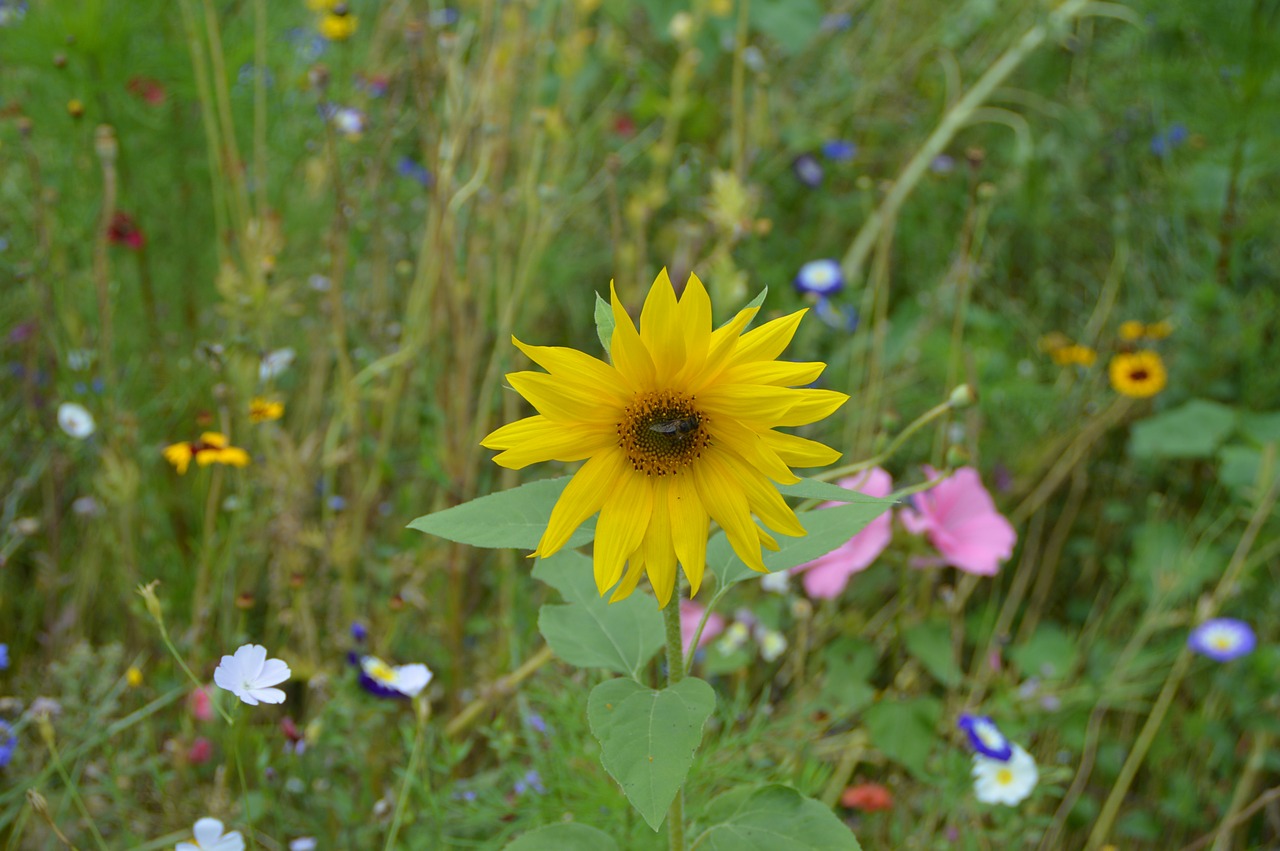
pixel 207 202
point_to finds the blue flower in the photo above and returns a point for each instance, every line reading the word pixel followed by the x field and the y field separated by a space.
pixel 839 150
pixel 408 167
pixel 536 722
pixel 358 632
pixel 4 657
pixel 1162 144
pixel 8 743
pixel 942 164
pixel 820 277
pixel 985 737
pixel 836 22
pixel 1223 639
pixel 808 170
pixel 532 782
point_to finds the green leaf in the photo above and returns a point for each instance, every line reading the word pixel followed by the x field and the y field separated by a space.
pixel 792 24
pixel 828 528
pixel 1049 654
pixel 1239 468
pixel 774 818
pixel 757 301
pixel 930 643
pixel 905 730
pixel 1262 428
pixel 1166 566
pixel 589 631
pixel 604 323
pixel 1192 430
pixel 564 837
pixel 846 682
pixel 647 738
pixel 814 489
pixel 513 518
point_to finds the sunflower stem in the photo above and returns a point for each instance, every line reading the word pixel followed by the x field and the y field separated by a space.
pixel 675 673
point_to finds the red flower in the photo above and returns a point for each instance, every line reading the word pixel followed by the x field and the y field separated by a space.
pixel 148 89
pixel 124 231
pixel 624 126
pixel 200 751
pixel 290 730
pixel 868 797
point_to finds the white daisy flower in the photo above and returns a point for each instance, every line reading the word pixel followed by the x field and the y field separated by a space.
pixel 249 675
pixel 209 837
pixel 734 638
pixel 1006 782
pixel 393 680
pixel 76 420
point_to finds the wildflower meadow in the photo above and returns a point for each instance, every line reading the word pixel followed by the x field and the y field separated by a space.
pixel 776 425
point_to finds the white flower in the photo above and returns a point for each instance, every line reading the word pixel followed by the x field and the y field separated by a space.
pixel 209 837
pixel 274 363
pixel 75 420
pixel 772 643
pixel 1008 782
pixel 350 122
pixel 303 843
pixel 734 638
pixel 776 582
pixel 408 680
pixel 249 674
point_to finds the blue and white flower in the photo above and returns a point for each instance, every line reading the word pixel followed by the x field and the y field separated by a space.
pixel 377 677
pixel 985 737
pixel 1223 639
pixel 820 277
pixel 839 150
pixel 1006 782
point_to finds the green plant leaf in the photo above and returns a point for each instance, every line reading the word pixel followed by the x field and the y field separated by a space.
pixel 1049 654
pixel 846 682
pixel 1166 564
pixel 1262 428
pixel 1239 468
pixel 1193 430
pixel 792 24
pixel 828 528
pixel 564 837
pixel 604 323
pixel 905 730
pixel 514 518
pixel 773 818
pixel 588 630
pixel 647 738
pixel 930 643
pixel 815 489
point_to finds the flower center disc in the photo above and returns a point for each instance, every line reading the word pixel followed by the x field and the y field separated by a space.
pixel 662 432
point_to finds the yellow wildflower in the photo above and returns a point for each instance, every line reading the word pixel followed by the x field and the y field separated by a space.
pixel 1139 375
pixel 133 677
pixel 264 410
pixel 1132 330
pixel 338 24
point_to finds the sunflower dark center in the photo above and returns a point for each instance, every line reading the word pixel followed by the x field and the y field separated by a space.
pixel 662 432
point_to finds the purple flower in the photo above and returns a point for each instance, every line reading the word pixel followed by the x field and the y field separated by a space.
pixel 536 722
pixel 8 743
pixel 358 632
pixel 985 737
pixel 4 657
pixel 1223 639
pixel 839 150
pixel 415 171
pixel 808 170
pixel 532 782
pixel 942 164
pixel 821 277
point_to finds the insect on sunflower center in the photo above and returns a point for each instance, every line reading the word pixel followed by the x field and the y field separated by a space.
pixel 662 432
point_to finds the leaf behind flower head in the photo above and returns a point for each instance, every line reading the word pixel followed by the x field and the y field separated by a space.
pixel 514 518
pixel 564 837
pixel 777 818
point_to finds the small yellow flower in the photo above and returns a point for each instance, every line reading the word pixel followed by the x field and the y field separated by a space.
pixel 1132 330
pixel 336 26
pixel 264 410
pixel 211 448
pixel 1139 375
pixel 321 5
pixel 75 108
pixel 179 455
pixel 1074 354
pixel 133 677
pixel 1160 330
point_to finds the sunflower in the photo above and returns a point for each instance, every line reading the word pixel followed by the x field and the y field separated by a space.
pixel 1139 374
pixel 676 432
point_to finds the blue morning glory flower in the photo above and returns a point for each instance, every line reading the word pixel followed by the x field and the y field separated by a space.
pixel 1223 639
pixel 839 150
pixel 408 167
pixel 358 631
pixel 8 743
pixel 532 782
pixel 820 277
pixel 4 657
pixel 808 170
pixel 985 737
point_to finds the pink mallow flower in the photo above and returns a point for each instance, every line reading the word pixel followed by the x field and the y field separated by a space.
pixel 690 617
pixel 200 702
pixel 826 577
pixel 961 521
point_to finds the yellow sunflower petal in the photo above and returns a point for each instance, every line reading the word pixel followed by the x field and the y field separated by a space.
pixel 579 366
pixel 630 579
pixel 750 446
pixel 723 344
pixel 624 517
pixel 563 401
pixel 657 550
pixel 719 492
pixel 800 451
pixel 630 357
pixel 766 540
pixel 694 318
pixel 659 327
pixel 812 405
pixel 582 497
pixel 753 403
pixel 769 340
pixel 764 500
pixel 689 526
pixel 536 439
pixel 776 373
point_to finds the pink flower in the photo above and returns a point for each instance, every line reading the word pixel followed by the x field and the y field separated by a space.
pixel 200 702
pixel 690 617
pixel 960 520
pixel 200 751
pixel 826 577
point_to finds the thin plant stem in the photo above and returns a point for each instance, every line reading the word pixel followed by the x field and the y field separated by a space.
pixel 423 710
pixel 244 787
pixel 675 673
pixel 46 733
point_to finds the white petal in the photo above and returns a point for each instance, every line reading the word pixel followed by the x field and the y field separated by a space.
pixel 273 672
pixel 249 696
pixel 251 658
pixel 233 841
pixel 266 695
pixel 227 674
pixel 411 679
pixel 186 846
pixel 207 831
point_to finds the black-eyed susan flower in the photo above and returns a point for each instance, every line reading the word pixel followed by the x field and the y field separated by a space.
pixel 677 431
pixel 211 448
pixel 1139 374
pixel 338 24
pixel 265 410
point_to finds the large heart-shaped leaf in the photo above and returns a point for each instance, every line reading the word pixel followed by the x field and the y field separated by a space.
pixel 512 518
pixel 905 730
pixel 588 630
pixel 647 738
pixel 564 837
pixel 774 818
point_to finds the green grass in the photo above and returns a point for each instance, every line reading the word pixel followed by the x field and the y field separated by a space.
pixel 267 228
